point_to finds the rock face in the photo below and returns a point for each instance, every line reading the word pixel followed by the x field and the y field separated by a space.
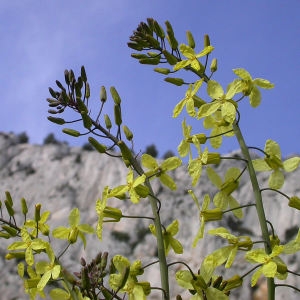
pixel 61 178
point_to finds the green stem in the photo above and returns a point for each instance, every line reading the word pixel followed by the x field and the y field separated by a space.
pixel 259 203
pixel 164 275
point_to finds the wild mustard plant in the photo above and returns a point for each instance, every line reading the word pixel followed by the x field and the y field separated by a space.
pixel 101 279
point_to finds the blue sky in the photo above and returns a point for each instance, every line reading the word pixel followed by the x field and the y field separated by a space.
pixel 40 39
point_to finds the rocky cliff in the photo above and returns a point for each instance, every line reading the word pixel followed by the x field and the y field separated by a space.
pixel 62 177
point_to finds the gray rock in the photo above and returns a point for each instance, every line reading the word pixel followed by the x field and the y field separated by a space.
pixel 62 177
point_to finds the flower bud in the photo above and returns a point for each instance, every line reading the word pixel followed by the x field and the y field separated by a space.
pixel 117 115
pixel 82 261
pixel 83 74
pixel 87 122
pixel 126 153
pixel 206 41
pixel 37 212
pixel 58 121
pixel 233 283
pixel 214 65
pixel 176 81
pixel 71 132
pixel 171 59
pixel 294 202
pixel 73 235
pixel 5 235
pixel 217 282
pixel 135 46
pixel 9 208
pixel 87 90
pixel 81 106
pixel 112 213
pixel 59 85
pixel 153 41
pixel 103 262
pixel 107 122
pixel 150 61
pixel 85 280
pixel 99 147
pixel 171 37
pixel 138 55
pixel 103 95
pixel 190 39
pixel 66 73
pixel 158 30
pixel 199 282
pixel 9 198
pixel 142 190
pixel 128 133
pixel 13 255
pixel 229 186
pixel 213 158
pixel 10 230
pixel 164 71
pixel 214 214
pixel 201 137
pixel 115 95
pixel 245 243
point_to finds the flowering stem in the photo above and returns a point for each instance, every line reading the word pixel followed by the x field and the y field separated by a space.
pixel 259 203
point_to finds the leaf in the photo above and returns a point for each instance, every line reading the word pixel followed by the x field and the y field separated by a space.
pixel 255 97
pixel 214 89
pixel 291 164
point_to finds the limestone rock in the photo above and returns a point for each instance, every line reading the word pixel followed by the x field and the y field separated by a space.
pixel 62 177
